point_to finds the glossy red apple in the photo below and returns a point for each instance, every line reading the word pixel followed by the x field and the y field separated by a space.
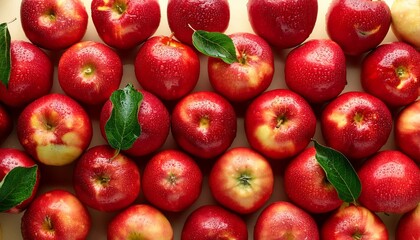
pixel 6 124
pixel 405 21
pixel 407 130
pixel 408 226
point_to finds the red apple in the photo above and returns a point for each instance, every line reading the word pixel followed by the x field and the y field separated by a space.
pixel 90 72
pixel 54 129
pixel 186 15
pixel 407 130
pixel 316 70
pixel 358 25
pixel 31 75
pixel 204 124
pixel 283 220
pixel 408 226
pixel 391 72
pixel 250 76
pixel 53 24
pixel 241 180
pixel 140 221
pixel 172 180
pixel 390 182
pixel 210 222
pixel 279 124
pixel 125 24
pixel 105 180
pixel 357 124
pixel 167 68
pixel 6 124
pixel 56 214
pixel 405 21
pixel 284 24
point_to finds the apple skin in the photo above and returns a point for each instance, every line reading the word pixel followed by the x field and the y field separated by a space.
pixel 172 180
pixel 6 124
pixel 243 80
pixel 54 129
pixel 56 214
pixel 140 221
pixel 283 220
pixel 279 124
pixel 390 182
pixel 167 68
pixel 356 124
pixel 408 226
pixel 357 25
pixel 283 24
pixel 125 24
pixel 316 70
pixel 306 184
pixel 204 124
pixel 90 72
pixel 210 222
pixel 207 15
pixel 53 24
pixel 405 21
pixel 105 181
pixel 31 75
pixel 391 73
pixel 407 131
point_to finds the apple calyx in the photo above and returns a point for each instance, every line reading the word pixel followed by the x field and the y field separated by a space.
pixel 119 7
pixel 245 179
pixel 204 123
pixel 358 118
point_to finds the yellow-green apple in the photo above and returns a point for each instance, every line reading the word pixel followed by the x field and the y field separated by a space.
pixel 407 130
pixel 357 25
pixel 306 184
pixel 56 214
pixel 242 180
pixel 89 72
pixel 154 120
pixel 125 24
pixel 405 21
pixel 284 220
pixel 284 24
pixel 106 180
pixel 316 70
pixel 54 129
pixel 390 182
pixel 31 75
pixel 356 123
pixel 250 76
pixel 140 221
pixel 209 222
pixel 6 124
pixel 53 24
pixel 353 222
pixel 167 68
pixel 204 124
pixel 391 72
pixel 186 15
pixel 408 226
pixel 279 124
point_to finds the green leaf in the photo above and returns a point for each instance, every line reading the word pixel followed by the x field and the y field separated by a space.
pixel 5 63
pixel 215 44
pixel 122 128
pixel 17 186
pixel 339 171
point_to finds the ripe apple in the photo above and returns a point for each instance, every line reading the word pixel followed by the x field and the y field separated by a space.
pixel 154 120
pixel 53 24
pixel 391 72
pixel 284 24
pixel 186 15
pixel 279 124
pixel 250 76
pixel 408 226
pixel 316 70
pixel 31 75
pixel 167 68
pixel 210 222
pixel 140 221
pixel 204 124
pixel 105 180
pixel 390 182
pixel 357 124
pixel 407 130
pixel 284 220
pixel 405 21
pixel 54 129
pixel 241 180
pixel 56 214
pixel 6 124
pixel 90 72
pixel 125 24
pixel 172 180
pixel 357 25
